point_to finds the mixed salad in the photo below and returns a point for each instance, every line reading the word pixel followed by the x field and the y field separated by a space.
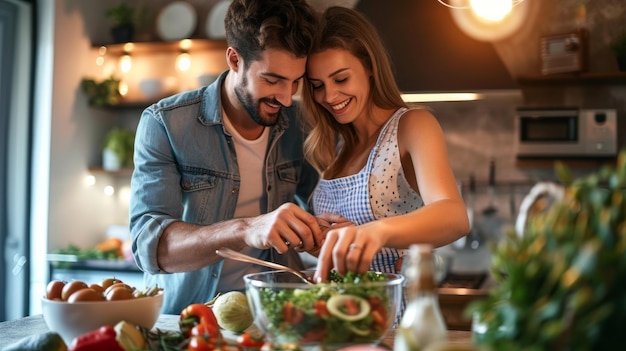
pixel 344 310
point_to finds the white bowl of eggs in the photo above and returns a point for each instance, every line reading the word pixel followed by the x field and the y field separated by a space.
pixel 75 308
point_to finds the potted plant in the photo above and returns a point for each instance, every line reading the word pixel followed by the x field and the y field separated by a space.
pixel 619 49
pixel 104 93
pixel 560 282
pixel 123 25
pixel 118 149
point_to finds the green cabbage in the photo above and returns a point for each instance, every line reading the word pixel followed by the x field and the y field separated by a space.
pixel 232 311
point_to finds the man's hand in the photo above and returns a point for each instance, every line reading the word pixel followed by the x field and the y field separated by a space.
pixel 286 227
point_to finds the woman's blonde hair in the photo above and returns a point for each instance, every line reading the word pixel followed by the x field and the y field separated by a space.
pixel 344 28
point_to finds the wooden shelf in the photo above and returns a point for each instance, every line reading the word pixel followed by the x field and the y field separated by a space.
pixel 123 172
pixel 162 46
pixel 131 104
pixel 616 77
pixel 569 162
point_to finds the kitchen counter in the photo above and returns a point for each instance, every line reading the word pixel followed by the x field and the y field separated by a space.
pixel 15 330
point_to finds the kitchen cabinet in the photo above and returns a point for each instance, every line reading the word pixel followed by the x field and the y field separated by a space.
pixel 587 78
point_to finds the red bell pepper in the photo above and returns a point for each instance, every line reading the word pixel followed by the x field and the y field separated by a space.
pixel 198 313
pixel 102 338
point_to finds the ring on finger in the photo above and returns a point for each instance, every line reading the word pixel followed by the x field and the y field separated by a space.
pixel 354 246
pixel 287 242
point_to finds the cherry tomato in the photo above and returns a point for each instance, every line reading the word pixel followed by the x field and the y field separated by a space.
pixel 292 314
pixel 198 343
pixel 316 334
pixel 206 331
pixel 204 337
pixel 250 339
pixel 380 317
pixel 320 309
pixel 379 313
pixel 197 313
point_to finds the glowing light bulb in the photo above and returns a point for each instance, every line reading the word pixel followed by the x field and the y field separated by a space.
pixel 491 10
pixel 185 44
pixel 123 88
pixel 183 62
pixel 89 180
pixel 109 190
pixel 126 63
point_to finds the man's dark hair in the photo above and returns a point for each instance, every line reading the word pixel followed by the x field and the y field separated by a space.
pixel 253 26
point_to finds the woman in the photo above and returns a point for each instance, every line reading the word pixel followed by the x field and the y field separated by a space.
pixel 384 166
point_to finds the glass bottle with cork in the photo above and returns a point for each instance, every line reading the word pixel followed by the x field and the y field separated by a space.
pixel 422 323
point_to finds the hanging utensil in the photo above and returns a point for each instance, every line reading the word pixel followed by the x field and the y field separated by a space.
pixel 491 190
pixel 473 238
pixel 234 255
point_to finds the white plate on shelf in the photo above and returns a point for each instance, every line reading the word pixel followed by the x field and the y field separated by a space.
pixel 215 20
pixel 177 21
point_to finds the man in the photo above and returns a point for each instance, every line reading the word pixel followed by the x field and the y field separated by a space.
pixel 220 166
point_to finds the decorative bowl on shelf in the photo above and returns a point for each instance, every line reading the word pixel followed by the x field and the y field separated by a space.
pixel 327 315
pixel 206 79
pixel 152 87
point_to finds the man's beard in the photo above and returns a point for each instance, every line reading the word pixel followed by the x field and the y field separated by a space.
pixel 248 103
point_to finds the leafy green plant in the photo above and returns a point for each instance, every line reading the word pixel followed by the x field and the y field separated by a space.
pixel 121 15
pixel 121 143
pixel 561 286
pixel 104 93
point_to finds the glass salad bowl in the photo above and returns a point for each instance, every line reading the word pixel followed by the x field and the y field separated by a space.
pixel 356 309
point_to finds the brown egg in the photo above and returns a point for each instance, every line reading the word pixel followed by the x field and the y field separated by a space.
pixel 118 285
pixel 98 288
pixel 54 288
pixel 118 293
pixel 109 281
pixel 86 294
pixel 71 287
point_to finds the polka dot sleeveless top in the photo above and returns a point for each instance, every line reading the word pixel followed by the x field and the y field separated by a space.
pixel 378 190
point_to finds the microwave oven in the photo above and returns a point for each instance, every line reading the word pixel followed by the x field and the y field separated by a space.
pixel 565 132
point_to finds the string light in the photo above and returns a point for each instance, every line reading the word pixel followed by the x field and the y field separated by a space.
pixel 490 10
pixel 126 63
pixel 101 52
pixel 183 61
pixel 109 190
pixel 464 5
pixel 123 88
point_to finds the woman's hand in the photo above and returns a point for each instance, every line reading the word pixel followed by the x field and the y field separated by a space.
pixel 347 249
pixel 328 221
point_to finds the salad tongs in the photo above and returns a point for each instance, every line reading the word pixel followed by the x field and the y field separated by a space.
pixel 232 254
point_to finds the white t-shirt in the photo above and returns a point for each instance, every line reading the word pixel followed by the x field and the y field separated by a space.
pixel 251 159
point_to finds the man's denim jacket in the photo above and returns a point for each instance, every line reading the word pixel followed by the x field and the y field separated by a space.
pixel 186 170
